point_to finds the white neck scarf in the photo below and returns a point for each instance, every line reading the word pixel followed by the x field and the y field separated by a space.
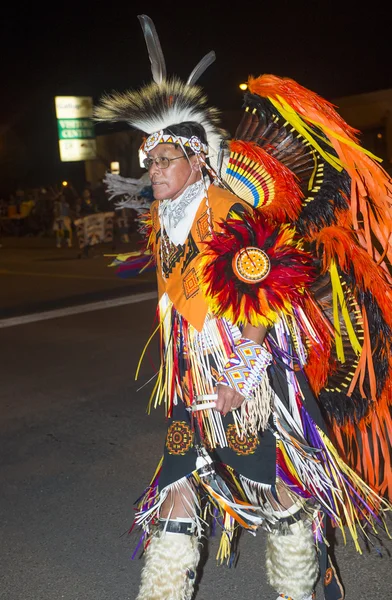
pixel 176 216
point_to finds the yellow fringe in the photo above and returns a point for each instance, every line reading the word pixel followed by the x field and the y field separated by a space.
pixel 296 121
pixel 224 550
pixel 375 502
pixel 338 298
pixel 145 349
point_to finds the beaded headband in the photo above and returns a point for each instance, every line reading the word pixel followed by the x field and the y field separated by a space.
pixel 194 143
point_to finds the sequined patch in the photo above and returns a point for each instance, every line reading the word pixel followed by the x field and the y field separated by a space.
pixel 179 438
pixel 240 445
pixel 328 576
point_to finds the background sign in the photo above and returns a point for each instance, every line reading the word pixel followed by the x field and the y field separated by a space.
pixel 75 128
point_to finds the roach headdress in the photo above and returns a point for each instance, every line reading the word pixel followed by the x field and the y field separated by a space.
pixel 166 102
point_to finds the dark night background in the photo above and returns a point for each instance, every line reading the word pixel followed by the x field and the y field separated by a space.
pixel 334 48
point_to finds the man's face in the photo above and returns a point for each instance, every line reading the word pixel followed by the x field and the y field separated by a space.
pixel 182 172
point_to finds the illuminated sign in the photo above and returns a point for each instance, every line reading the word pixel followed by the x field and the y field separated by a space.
pixel 75 128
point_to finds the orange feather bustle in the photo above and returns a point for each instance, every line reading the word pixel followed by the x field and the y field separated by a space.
pixel 338 243
pixel 371 220
pixel 367 443
pixel 361 245
pixel 305 102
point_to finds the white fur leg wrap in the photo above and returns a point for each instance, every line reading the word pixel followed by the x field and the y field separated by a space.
pixel 292 564
pixel 170 569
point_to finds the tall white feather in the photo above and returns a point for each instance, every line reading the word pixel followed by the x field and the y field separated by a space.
pixel 158 65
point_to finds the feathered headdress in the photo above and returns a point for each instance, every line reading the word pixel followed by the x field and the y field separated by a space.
pixel 165 102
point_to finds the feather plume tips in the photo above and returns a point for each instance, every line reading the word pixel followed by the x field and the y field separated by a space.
pixel 305 102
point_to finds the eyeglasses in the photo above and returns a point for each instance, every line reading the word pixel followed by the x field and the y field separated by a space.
pixel 160 161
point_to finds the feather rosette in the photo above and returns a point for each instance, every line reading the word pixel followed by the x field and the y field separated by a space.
pixel 253 270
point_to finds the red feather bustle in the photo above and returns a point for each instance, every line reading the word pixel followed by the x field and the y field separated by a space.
pixel 256 302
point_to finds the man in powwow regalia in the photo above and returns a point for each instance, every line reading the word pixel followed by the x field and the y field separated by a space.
pixel 272 323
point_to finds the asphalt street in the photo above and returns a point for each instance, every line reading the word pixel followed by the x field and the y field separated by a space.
pixel 77 447
pixel 37 276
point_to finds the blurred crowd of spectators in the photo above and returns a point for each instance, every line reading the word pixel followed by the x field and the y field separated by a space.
pixel 33 211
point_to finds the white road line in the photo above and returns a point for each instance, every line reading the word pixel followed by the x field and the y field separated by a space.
pixel 74 310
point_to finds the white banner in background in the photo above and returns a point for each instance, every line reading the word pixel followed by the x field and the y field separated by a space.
pixel 95 229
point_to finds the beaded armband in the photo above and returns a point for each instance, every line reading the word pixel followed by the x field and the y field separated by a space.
pixel 246 367
pixel 246 373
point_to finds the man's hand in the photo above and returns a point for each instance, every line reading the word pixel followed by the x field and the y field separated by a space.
pixel 228 399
